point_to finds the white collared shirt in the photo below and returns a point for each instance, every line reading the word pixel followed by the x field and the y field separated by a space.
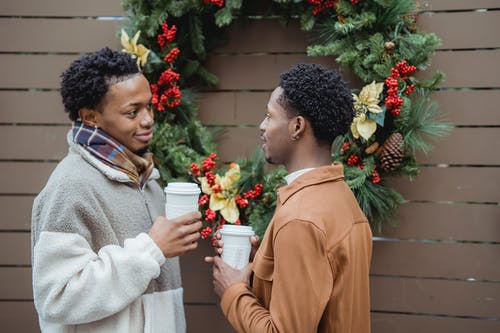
pixel 294 175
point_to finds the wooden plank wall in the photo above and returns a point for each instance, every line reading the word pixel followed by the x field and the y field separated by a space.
pixel 437 272
pixel 39 39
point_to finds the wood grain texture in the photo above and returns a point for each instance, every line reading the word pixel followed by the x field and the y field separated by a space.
pixel 40 71
pixel 16 212
pixel 206 318
pixel 19 317
pixel 450 27
pixel 459 4
pixel 61 8
pixel 261 72
pixel 447 222
pixel 407 323
pixel 16 283
pixel 34 176
pixel 436 260
pixel 32 107
pixel 266 36
pixel 451 184
pixel 445 149
pixel 467 69
pixel 453 298
pixel 35 142
pixel 473 107
pixel 15 248
pixel 58 35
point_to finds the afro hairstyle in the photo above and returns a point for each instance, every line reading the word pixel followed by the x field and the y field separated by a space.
pixel 85 82
pixel 319 95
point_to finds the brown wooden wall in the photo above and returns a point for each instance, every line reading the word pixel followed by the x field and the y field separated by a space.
pixel 439 271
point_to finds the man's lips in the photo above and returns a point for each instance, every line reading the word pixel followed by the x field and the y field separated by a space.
pixel 145 136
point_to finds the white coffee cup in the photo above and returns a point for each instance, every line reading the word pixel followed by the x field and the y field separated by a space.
pixel 182 198
pixel 237 246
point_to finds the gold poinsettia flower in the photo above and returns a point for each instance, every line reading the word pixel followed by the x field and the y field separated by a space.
pixel 137 50
pixel 363 127
pixel 368 99
pixel 222 194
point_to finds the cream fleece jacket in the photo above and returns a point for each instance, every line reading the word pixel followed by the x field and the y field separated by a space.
pixel 95 268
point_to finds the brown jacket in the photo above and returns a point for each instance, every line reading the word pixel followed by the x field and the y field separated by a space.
pixel 311 270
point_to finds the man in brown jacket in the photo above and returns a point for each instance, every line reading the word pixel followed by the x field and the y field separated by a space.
pixel 310 274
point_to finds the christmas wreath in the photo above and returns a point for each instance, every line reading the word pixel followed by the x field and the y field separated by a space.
pixel 378 40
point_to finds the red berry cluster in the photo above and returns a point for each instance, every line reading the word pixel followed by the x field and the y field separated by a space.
pixel 172 55
pixel 218 3
pixel 165 91
pixel 394 102
pixel 195 170
pixel 210 215
pixel 322 5
pixel 167 35
pixel 207 231
pixel 170 96
pixel 375 177
pixel 209 163
pixel 210 176
pixel 352 160
pixel 345 147
pixel 254 193
pixel 214 219
pixel 204 199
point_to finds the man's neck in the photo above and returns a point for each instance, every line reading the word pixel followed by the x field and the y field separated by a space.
pixel 311 159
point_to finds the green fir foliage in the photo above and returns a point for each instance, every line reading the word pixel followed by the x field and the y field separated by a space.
pixel 379 203
pixel 420 123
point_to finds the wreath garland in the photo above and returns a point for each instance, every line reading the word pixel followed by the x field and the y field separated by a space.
pixel 378 40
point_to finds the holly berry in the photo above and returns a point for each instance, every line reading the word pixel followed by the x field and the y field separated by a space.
pixel 375 177
pixel 207 231
pixel 352 160
pixel 203 200
pixel 209 215
pixel 195 170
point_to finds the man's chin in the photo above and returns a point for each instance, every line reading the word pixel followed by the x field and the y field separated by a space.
pixel 141 151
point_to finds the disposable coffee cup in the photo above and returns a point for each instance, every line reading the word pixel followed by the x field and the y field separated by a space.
pixel 182 198
pixel 237 246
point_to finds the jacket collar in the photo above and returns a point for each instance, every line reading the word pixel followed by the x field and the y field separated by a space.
pixel 106 170
pixel 319 175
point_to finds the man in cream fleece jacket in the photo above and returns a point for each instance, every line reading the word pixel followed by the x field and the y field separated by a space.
pixel 104 257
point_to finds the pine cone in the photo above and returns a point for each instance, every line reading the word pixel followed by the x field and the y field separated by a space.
pixel 391 152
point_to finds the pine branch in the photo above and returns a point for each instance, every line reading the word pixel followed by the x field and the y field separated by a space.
pixel 421 124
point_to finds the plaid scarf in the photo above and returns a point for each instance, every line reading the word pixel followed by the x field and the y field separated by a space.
pixel 113 153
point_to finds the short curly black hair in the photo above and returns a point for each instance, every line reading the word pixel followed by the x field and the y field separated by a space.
pixel 88 78
pixel 319 95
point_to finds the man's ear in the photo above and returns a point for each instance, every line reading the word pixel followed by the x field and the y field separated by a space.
pixel 89 117
pixel 297 127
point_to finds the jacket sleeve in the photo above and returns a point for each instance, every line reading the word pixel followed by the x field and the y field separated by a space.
pixel 302 284
pixel 74 284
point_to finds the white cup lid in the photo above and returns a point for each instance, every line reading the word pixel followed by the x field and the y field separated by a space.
pixel 236 230
pixel 182 188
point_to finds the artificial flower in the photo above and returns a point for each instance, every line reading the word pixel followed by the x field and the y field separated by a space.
pixel 368 99
pixel 363 127
pixel 223 192
pixel 137 50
